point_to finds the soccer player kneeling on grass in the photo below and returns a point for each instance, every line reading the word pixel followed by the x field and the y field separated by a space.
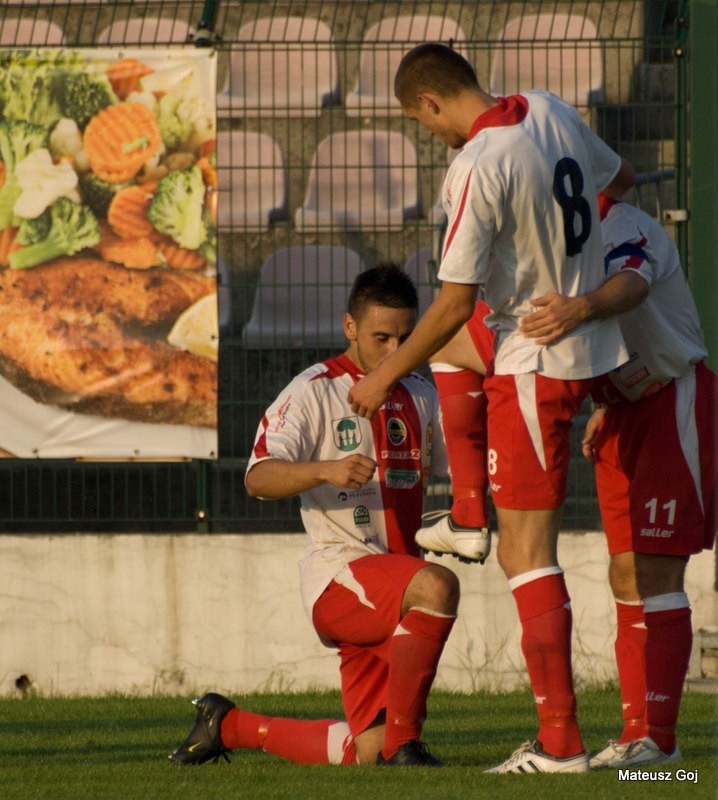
pixel 361 484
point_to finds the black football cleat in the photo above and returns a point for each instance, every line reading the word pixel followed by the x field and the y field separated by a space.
pixel 204 742
pixel 410 754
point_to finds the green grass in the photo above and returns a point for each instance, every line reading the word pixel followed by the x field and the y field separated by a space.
pixel 116 747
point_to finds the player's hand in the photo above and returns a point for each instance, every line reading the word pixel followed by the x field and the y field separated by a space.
pixel 556 315
pixel 368 395
pixel 351 472
pixel 592 426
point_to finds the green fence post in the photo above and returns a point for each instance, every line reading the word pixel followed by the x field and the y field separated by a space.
pixel 703 272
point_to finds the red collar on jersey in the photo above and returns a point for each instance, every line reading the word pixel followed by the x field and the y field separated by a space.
pixel 509 111
pixel 605 204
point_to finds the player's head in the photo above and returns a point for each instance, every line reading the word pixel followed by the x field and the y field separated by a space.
pixel 434 68
pixel 381 313
pixel 433 83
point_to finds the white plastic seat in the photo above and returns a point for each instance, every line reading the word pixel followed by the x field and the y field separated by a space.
pixel 557 52
pixel 19 31
pixel 159 31
pixel 301 298
pixel 251 178
pixel 418 269
pixel 361 179
pixel 383 47
pixel 286 66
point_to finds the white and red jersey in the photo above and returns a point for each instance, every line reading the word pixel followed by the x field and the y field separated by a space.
pixel 311 420
pixel 523 222
pixel 663 334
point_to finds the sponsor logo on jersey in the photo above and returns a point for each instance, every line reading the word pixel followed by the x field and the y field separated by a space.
pixel 396 430
pixel 282 414
pixel 495 487
pixel 392 405
pixel 654 697
pixel 347 433
pixel 361 516
pixel 656 533
pixel 402 455
pixel 402 478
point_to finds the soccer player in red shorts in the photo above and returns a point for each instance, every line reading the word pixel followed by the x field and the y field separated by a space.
pixel 367 592
pixel 653 443
pixel 520 200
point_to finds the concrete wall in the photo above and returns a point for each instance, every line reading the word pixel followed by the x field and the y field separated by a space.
pixel 87 614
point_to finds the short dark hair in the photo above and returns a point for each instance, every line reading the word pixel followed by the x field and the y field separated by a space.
pixel 432 67
pixel 384 285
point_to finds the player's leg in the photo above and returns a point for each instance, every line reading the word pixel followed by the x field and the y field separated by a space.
pixel 529 422
pixel 393 614
pixel 220 727
pixel 458 370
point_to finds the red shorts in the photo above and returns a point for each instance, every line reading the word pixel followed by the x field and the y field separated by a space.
pixel 529 423
pixel 656 469
pixel 360 610
pixel 482 337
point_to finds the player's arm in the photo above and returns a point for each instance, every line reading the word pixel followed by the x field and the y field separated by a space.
pixel 452 307
pixel 558 315
pixel 274 478
pixel 623 180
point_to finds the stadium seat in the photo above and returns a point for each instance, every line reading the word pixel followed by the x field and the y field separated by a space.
pixel 160 31
pixel 421 272
pixel 251 178
pixel 557 52
pixel 18 31
pixel 301 297
pixel 286 66
pixel 361 179
pixel 382 49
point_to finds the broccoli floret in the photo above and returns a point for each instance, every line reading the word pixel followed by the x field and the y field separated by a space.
pixel 208 248
pixel 72 227
pixel 177 207
pixel 17 140
pixel 97 193
pixel 27 83
pixel 80 97
pixel 175 130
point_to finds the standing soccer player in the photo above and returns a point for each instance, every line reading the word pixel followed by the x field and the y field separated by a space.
pixel 363 585
pixel 653 444
pixel 522 221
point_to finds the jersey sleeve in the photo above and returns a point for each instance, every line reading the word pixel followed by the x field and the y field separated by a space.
pixel 288 429
pixel 626 247
pixel 604 161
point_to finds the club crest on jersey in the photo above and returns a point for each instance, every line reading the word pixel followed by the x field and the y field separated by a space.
pixel 347 433
pixel 396 430
pixel 361 516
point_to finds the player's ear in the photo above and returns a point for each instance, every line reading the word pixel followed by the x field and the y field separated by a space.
pixel 429 101
pixel 350 327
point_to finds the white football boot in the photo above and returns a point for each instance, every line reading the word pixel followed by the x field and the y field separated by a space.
pixel 638 753
pixel 530 758
pixel 471 545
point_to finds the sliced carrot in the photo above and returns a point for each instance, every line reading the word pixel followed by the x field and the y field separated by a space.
pixel 136 253
pixel 177 257
pixel 127 213
pixel 7 245
pixel 125 76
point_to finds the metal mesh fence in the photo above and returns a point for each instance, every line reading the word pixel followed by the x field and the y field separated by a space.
pixel 321 176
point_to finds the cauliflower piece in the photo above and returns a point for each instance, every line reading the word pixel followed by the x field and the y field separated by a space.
pixel 66 140
pixel 42 182
pixel 197 111
pixel 146 98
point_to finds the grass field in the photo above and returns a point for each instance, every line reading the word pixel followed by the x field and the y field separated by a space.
pixel 117 747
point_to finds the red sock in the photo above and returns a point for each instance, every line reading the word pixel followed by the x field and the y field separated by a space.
pixel 416 647
pixel 321 741
pixel 544 609
pixel 630 660
pixel 668 650
pixel 463 411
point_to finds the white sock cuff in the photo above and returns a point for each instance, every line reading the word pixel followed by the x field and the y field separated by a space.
pixel 338 739
pixel 533 575
pixel 628 602
pixel 432 613
pixel 439 366
pixel 666 602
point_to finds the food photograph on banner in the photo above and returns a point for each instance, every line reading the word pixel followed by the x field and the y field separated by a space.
pixel 108 251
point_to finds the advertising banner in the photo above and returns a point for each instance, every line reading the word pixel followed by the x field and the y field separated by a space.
pixel 108 252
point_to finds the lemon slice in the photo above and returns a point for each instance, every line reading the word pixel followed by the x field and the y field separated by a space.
pixel 197 329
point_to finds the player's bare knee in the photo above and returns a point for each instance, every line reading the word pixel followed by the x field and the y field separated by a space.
pixel 434 587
